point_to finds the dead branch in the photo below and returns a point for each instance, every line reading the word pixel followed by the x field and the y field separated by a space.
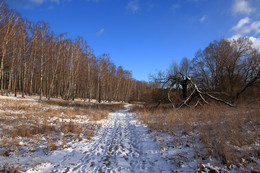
pixel 219 100
pixel 188 99
pixel 200 93
pixel 197 89
pixel 197 103
pixel 175 80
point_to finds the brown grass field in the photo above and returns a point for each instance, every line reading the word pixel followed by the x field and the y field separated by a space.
pixel 28 123
pixel 229 134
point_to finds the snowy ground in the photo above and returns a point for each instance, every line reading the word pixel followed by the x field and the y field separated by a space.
pixel 122 144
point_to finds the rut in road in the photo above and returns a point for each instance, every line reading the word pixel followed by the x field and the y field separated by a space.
pixel 121 145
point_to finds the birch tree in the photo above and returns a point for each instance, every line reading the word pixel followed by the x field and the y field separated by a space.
pixel 7 34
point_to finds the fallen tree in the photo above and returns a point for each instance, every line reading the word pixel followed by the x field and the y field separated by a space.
pixel 182 82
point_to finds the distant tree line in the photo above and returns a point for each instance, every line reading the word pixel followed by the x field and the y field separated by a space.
pixel 35 61
pixel 226 71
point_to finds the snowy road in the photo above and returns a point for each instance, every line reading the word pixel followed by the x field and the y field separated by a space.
pixel 122 144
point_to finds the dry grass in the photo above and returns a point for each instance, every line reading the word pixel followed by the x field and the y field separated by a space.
pixel 229 134
pixel 51 124
pixel 9 169
pixel 85 105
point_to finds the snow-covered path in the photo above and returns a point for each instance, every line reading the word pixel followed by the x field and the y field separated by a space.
pixel 122 144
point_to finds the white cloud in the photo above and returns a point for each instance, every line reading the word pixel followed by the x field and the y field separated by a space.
pixel 242 7
pixel 29 4
pixel 256 42
pixel 101 31
pixel 41 1
pixel 133 6
pixel 247 28
pixel 256 26
pixel 241 23
pixel 235 37
pixel 203 18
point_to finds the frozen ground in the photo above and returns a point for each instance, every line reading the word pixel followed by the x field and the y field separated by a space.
pixel 122 144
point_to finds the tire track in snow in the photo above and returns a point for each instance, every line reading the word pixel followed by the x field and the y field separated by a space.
pixel 121 145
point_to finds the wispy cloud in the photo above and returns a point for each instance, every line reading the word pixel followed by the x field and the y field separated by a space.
pixel 29 4
pixel 247 28
pixel 241 23
pixel 101 31
pixel 41 1
pixel 203 18
pixel 133 6
pixel 242 7
pixel 256 42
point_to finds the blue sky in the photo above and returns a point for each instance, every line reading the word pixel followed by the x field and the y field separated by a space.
pixel 146 36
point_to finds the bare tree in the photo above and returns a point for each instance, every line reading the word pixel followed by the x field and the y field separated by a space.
pixel 8 33
pixel 224 66
pixel 43 30
pixel 36 61
pixel 221 72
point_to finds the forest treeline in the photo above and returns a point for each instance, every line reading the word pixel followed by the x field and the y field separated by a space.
pixel 36 61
